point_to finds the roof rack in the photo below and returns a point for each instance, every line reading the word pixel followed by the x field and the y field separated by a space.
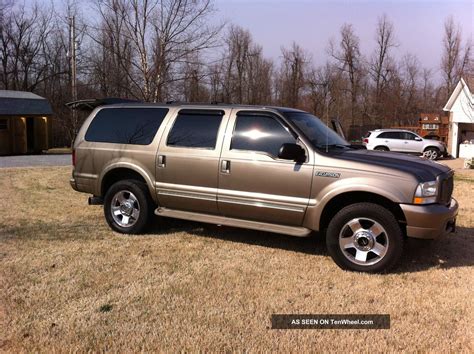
pixel 92 103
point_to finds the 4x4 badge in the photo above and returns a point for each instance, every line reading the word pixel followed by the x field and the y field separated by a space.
pixel 328 174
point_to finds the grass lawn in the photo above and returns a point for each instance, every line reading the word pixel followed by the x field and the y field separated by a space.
pixel 68 283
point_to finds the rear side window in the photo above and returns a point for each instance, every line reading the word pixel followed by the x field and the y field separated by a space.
pixel 195 129
pixel 136 126
pixel 260 133
pixel 390 135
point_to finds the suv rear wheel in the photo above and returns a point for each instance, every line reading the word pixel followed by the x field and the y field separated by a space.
pixel 381 148
pixel 128 207
pixel 431 153
pixel 364 237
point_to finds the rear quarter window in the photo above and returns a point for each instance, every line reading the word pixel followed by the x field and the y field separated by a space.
pixel 136 126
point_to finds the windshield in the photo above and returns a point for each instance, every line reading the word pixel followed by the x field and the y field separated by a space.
pixel 316 131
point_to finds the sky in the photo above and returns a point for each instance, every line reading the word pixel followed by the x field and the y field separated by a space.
pixel 418 24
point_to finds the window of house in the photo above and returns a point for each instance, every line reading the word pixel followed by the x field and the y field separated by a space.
pixel 260 133
pixel 3 124
pixel 430 126
pixel 126 125
pixel 195 129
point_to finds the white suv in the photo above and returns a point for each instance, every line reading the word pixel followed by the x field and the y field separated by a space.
pixel 398 140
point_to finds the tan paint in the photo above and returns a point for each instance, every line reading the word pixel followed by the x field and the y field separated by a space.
pixel 258 190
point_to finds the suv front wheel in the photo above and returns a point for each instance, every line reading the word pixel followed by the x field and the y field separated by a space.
pixel 431 153
pixel 365 237
pixel 128 206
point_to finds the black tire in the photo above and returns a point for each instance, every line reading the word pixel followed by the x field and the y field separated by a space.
pixel 381 148
pixel 136 196
pixel 432 153
pixel 390 240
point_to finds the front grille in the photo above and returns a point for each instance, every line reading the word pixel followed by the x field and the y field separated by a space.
pixel 446 190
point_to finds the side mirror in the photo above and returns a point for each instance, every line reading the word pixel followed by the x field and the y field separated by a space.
pixel 418 139
pixel 292 152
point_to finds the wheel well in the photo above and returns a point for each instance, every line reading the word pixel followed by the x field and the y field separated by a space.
pixel 119 174
pixel 345 199
pixel 431 147
pixel 382 146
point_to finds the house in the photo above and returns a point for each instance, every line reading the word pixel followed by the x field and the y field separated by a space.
pixel 430 125
pixel 461 117
pixel 434 125
pixel 25 123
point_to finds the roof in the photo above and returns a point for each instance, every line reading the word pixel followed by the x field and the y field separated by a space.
pixel 21 103
pixel 393 130
pixel 90 104
pixel 460 87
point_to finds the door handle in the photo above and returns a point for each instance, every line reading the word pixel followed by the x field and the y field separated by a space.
pixel 225 166
pixel 406 142
pixel 161 160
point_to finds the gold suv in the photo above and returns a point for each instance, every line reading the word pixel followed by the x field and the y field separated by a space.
pixel 265 168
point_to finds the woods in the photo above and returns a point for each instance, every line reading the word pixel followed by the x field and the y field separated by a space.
pixel 164 50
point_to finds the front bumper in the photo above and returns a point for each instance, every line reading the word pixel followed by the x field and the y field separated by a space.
pixel 430 221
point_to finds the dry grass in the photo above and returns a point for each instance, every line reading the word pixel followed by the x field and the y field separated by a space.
pixel 68 283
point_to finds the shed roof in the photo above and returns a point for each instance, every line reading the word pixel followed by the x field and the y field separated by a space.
pixel 21 103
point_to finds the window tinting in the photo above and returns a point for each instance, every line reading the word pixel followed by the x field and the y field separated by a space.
pixel 390 135
pixel 260 133
pixel 3 124
pixel 408 136
pixel 126 125
pixel 195 130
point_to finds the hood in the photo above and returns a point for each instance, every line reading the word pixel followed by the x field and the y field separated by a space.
pixel 423 169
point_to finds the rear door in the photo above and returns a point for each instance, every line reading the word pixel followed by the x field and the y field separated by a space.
pixel 187 163
pixel 254 184
pixel 392 140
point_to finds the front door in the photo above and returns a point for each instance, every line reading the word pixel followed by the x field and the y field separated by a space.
pixel 187 163
pixel 411 144
pixel 254 183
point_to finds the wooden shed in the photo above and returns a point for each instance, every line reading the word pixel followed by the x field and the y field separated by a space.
pixel 25 123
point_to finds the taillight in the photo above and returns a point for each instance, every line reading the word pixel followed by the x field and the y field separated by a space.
pixel 366 140
pixel 73 158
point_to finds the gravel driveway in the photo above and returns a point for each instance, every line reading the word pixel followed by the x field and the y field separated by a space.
pixel 35 160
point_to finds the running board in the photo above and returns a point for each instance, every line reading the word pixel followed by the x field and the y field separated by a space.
pixel 222 220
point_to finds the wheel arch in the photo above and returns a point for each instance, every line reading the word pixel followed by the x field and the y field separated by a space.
pixel 431 146
pixel 381 146
pixel 342 200
pixel 122 172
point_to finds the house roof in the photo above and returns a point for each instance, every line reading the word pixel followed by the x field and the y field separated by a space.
pixel 460 87
pixel 21 103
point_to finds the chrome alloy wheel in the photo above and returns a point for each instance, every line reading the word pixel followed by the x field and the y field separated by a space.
pixel 430 154
pixel 125 208
pixel 363 241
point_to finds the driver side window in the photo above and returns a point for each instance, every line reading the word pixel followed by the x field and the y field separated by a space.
pixel 260 133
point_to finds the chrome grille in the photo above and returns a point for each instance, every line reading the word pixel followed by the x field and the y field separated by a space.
pixel 446 190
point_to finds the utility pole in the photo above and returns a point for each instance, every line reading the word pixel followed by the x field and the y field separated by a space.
pixel 72 51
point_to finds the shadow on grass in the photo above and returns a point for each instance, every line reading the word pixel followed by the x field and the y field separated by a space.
pixel 314 244
pixel 451 251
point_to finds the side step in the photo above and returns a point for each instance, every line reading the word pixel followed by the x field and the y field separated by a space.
pixel 222 220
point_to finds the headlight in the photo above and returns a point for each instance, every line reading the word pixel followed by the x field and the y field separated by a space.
pixel 426 193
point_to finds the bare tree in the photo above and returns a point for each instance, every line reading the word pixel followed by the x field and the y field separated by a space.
pixel 292 77
pixel 349 61
pixel 451 55
pixel 162 34
pixel 379 63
